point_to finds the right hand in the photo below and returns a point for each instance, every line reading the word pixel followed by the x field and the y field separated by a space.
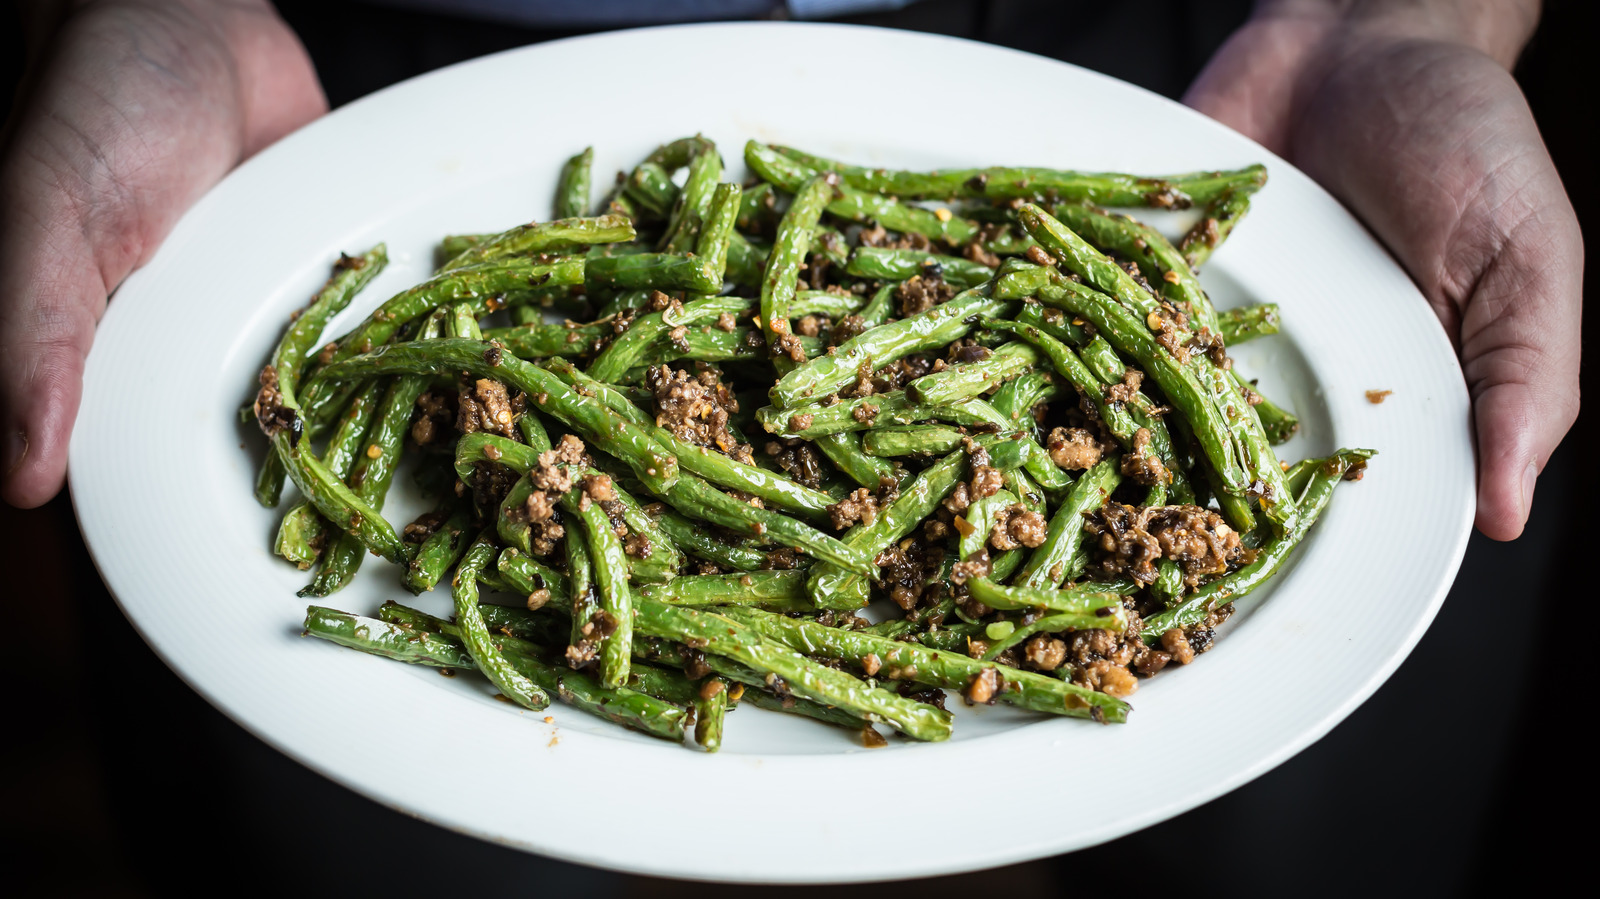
pixel 136 110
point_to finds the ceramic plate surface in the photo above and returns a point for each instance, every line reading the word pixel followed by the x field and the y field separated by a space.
pixel 161 470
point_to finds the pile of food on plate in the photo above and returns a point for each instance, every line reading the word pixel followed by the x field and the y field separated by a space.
pixel 716 423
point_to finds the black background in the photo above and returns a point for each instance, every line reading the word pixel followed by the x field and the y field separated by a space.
pixel 1462 775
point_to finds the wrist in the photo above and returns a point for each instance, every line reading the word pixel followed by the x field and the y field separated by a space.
pixel 1497 28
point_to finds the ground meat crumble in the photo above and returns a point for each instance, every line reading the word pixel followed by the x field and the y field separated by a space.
pixel 1141 464
pixel 695 407
pixel 1017 525
pixel 551 478
pixel 1073 448
pixel 1134 539
pixel 485 405
pixel 919 293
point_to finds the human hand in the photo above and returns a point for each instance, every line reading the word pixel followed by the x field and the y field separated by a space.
pixel 138 107
pixel 1407 112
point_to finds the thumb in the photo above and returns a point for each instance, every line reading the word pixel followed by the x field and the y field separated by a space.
pixel 1522 369
pixel 46 326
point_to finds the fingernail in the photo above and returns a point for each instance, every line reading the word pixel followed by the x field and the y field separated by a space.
pixel 16 451
pixel 1530 476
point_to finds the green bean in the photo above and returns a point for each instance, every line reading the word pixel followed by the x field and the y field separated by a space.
pixel 1246 323
pixel 300 535
pixel 572 191
pixel 857 205
pixel 1017 397
pixel 485 286
pixel 1168 585
pixel 708 343
pixel 727 472
pixel 693 205
pixel 1009 449
pixel 610 566
pixel 844 450
pixel 512 683
pixel 585 599
pixel 350 275
pixel 863 413
pixel 1031 497
pixel 665 653
pixel 966 380
pixel 1123 330
pixel 1124 420
pixel 758 209
pixel 693 496
pixel 824 302
pixel 727 637
pixel 788 252
pixel 593 421
pixel 1241 425
pixel 716 234
pixel 1071 367
pixel 746 260
pixel 1277 423
pixel 527 575
pixel 833 587
pixel 711 708
pixel 374 467
pixel 461 322
pixel 1222 215
pixel 657 271
pixel 624 301
pixel 785 589
pixel 671 686
pixel 879 308
pixel 884 264
pixel 453 245
pixel 935 668
pixel 1062 556
pixel 382 638
pixel 676 154
pixel 630 708
pixel 1097 609
pixel 700 542
pixel 885 344
pixel 719 469
pixel 338 503
pixel 1158 260
pixel 302 532
pixel 439 550
pixel 481 446
pixel 1006 183
pixel 651 190
pixel 979 518
pixel 631 345
pixel 537 340
pixel 565 235
pixel 761 699
pixel 1047 624
pixel 1269 558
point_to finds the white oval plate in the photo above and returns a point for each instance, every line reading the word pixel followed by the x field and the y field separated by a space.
pixel 161 471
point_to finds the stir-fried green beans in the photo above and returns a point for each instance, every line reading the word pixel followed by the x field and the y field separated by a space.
pixel 773 409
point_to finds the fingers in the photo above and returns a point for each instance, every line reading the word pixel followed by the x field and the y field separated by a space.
pixel 141 109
